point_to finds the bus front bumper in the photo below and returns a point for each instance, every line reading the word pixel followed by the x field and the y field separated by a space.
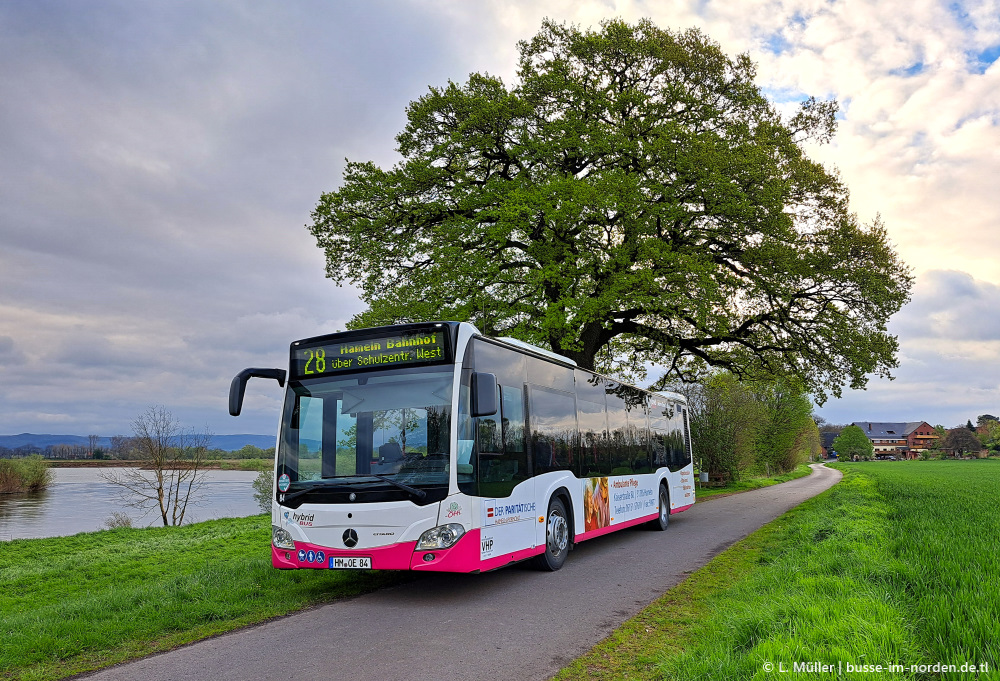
pixel 462 557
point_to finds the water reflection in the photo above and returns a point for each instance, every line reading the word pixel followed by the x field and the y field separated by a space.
pixel 79 500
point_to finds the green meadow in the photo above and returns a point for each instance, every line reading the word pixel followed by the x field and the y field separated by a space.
pixel 72 604
pixel 895 565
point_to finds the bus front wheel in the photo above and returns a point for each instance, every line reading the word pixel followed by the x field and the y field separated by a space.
pixel 556 537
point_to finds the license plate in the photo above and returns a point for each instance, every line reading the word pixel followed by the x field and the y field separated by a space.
pixel 350 563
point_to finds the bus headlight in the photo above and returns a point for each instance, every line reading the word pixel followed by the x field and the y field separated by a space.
pixel 281 538
pixel 440 537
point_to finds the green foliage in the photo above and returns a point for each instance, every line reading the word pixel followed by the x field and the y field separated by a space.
pixel 633 198
pixel 263 489
pixel 788 432
pixel 246 464
pixel 30 474
pixel 852 442
pixel 252 452
pixel 991 435
pixel 740 429
pixel 725 422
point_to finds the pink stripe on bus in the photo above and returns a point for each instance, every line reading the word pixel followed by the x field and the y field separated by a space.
pixel 613 528
pixel 462 557
pixel 392 557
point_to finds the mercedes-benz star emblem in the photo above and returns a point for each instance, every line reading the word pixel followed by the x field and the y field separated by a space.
pixel 353 496
pixel 350 538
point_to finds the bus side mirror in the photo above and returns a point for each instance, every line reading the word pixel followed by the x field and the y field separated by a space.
pixel 484 394
pixel 239 385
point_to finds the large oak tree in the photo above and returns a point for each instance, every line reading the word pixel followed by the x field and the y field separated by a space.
pixel 632 199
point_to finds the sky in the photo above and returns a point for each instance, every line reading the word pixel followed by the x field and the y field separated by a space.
pixel 159 162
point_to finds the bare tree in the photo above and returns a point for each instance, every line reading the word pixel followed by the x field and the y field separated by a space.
pixel 122 447
pixel 170 474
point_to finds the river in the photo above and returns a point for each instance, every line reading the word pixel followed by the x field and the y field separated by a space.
pixel 80 500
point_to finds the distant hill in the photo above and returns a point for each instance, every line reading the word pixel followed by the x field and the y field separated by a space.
pixel 227 443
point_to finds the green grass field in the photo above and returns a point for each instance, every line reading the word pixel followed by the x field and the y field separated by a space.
pixel 896 565
pixel 71 604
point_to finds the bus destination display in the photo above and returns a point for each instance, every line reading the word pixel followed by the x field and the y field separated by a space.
pixel 423 347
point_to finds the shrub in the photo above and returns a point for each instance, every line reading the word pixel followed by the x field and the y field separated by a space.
pixel 117 519
pixel 30 474
pixel 263 489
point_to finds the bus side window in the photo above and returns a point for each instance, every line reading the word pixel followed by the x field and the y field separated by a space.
pixel 465 457
pixel 512 406
pixel 658 445
pixel 688 453
pixel 639 427
pixel 553 428
pixel 593 457
pixel 618 435
pixel 637 407
pixel 504 462
pixel 488 433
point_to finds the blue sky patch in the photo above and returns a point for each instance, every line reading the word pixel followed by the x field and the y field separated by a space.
pixel 909 71
pixel 784 95
pixel 980 61
pixel 776 43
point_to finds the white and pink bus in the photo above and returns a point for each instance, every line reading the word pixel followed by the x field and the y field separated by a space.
pixel 433 447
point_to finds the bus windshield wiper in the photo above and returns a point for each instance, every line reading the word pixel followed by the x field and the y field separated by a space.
pixel 418 493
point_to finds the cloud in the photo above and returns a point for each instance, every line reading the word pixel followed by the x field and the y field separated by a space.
pixel 949 370
pixel 160 163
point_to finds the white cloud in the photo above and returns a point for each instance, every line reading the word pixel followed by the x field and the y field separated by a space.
pixel 949 367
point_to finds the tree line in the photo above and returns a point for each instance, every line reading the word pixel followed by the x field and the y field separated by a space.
pixel 742 429
pixel 123 448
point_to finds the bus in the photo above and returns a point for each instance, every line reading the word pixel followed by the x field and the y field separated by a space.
pixel 433 447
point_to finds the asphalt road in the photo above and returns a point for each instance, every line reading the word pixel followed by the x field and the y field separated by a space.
pixel 514 624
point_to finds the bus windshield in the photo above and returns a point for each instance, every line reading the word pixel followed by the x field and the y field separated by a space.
pixel 368 426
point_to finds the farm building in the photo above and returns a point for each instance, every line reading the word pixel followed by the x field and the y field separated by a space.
pixel 901 440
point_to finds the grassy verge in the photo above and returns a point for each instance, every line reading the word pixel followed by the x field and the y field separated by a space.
pixel 72 604
pixel 753 483
pixel 896 565
pixel 244 464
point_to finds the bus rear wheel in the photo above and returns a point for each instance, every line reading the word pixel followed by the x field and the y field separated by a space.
pixel 663 519
pixel 556 537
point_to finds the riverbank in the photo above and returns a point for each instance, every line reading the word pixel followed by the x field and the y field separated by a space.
pixel 82 500
pixel 889 567
pixel 208 464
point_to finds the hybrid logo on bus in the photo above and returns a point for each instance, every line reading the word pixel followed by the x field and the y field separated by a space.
pixel 502 514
